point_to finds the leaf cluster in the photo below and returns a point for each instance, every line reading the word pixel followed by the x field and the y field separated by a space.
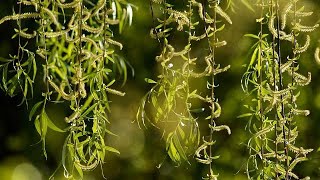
pixel 274 109
pixel 81 65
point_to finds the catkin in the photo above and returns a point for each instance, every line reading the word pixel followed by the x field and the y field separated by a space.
pixel 27 35
pixel 92 29
pixel 317 55
pixel 200 8
pixel 115 92
pixel 52 16
pixel 64 95
pixel 88 167
pixel 220 128
pixel 73 4
pixel 220 44
pixel 222 14
pixel 304 28
pixel 264 131
pixel 116 43
pixel 54 34
pixel 19 16
pixel 271 26
pixel 285 13
pixel 303 48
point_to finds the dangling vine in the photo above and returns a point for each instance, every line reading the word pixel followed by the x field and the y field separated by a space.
pixel 272 149
pixel 172 101
pixel 76 47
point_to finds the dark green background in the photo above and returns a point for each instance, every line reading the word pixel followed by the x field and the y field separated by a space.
pixel 142 150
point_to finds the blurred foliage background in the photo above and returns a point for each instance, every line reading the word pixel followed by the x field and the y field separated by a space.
pixel 142 150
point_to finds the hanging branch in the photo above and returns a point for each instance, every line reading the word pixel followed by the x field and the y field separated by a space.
pixel 276 106
pixel 81 67
pixel 169 98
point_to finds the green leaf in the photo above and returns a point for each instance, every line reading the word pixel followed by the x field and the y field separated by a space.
pixel 34 68
pixel 37 124
pixel 248 5
pixel 95 126
pixel 181 132
pixel 80 152
pixel 25 91
pixel 90 109
pixel 252 36
pixel 79 170
pixel 43 124
pixel 4 77
pixel 150 81
pixel 34 109
pixel 110 83
pixel 51 125
pixel 111 133
pixel 13 84
pixel 173 153
pixel 253 57
pixel 244 115
pixel 179 147
pixel 111 149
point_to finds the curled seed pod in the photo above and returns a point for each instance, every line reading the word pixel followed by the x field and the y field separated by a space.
pixel 20 16
pixel 181 18
pixel 157 1
pixel 27 35
pixel 303 14
pixel 220 128
pixel 223 14
pixel 220 44
pixel 303 28
pixel 115 92
pixel 271 26
pixel 200 8
pixel 317 55
pixel 73 4
pixel 89 167
pixel 55 34
pixel 52 16
pixel 284 67
pixel 116 43
pixel 72 117
pixel 63 94
pixel 300 112
pixel 92 29
pixel 264 130
pixel 299 50
pixel 285 13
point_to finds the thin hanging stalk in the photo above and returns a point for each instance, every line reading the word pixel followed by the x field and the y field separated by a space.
pixel 275 86
pixel 281 86
pixel 261 114
pixel 212 54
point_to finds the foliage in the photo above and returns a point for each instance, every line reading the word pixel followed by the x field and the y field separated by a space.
pixel 69 54
pixel 75 46
pixel 171 99
pixel 274 110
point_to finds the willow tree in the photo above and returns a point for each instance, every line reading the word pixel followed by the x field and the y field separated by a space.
pixel 74 46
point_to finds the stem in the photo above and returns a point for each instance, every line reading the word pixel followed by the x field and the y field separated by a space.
pixel 286 150
pixel 260 89
pixel 189 57
pixel 154 23
pixel 46 57
pixel 275 89
pixel 212 52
